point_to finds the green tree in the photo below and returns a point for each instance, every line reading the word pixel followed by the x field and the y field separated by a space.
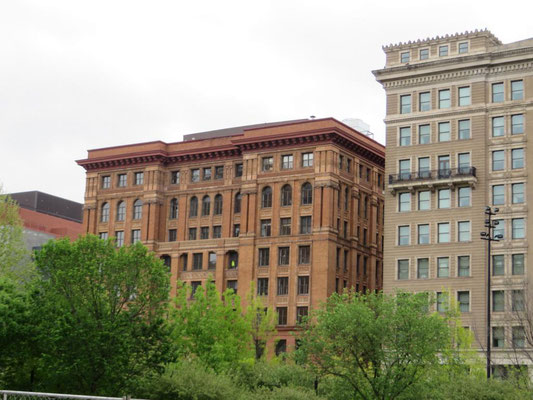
pixel 101 315
pixel 211 327
pixel 15 262
pixel 261 321
pixel 380 346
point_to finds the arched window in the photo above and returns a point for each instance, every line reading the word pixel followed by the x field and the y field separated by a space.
pixel 206 205
pixel 137 209
pixel 286 195
pixel 121 211
pixel 193 211
pixel 237 205
pixel 266 197
pixel 307 193
pixel 104 217
pixel 217 210
pixel 174 208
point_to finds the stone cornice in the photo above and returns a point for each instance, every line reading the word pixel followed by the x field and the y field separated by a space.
pixel 441 39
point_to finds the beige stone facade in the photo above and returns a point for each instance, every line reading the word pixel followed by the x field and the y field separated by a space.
pixel 459 111
pixel 295 207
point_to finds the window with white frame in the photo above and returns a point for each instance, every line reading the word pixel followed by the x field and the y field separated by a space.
pixel 518 228
pixel 443 232
pixel 424 134
pixel 424 54
pixel 443 267
pixel 463 228
pixel 422 268
pixel 403 269
pixel 424 200
pixel 517 190
pixel 423 168
pixel 462 47
pixel 405 104
pixel 517 261
pixel 403 235
pixel 497 92
pixel 498 126
pixel 424 101
pixel 517 158
pixel 404 57
pixel 423 234
pixel 444 132
pixel 464 129
pixel 498 195
pixel 498 160
pixel 463 265
pixel 517 90
pixel 444 198
pixel 443 50
pixel 463 196
pixel 517 124
pixel 464 96
pixel 404 202
pixel 444 98
pixel 405 136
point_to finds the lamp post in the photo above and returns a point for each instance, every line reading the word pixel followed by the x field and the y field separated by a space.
pixel 489 236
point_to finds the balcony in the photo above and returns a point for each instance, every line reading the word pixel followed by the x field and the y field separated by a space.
pixel 430 179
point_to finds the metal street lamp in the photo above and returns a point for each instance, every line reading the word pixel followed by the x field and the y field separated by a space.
pixel 490 237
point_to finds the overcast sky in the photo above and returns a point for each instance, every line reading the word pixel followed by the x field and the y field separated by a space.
pixel 77 75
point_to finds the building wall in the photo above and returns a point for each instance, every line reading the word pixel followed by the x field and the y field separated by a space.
pixel 327 140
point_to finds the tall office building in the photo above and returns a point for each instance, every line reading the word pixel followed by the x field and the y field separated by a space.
pixel 296 207
pixel 459 110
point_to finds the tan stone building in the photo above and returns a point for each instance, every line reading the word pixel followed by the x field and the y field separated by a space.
pixel 459 110
pixel 296 207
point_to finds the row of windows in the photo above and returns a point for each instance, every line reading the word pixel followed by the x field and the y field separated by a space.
pixel 197 262
pixel 301 313
pixel 284 252
pixel 119 237
pixel 121 211
pixel 498 159
pixel 283 286
pixel 516 194
pixel 285 226
pixel 463 97
pixel 443 199
pixel 443 164
pixel 442 267
pixel 518 337
pixel 443 51
pixel 204 174
pixel 286 161
pixel 122 180
pixel 443 232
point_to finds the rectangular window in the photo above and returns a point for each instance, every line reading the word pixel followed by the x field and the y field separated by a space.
pixel 424 134
pixel 444 132
pixel 307 160
pixel 285 226
pixel 497 92
pixel 498 301
pixel 103 235
pixel 404 57
pixel 106 182
pixel 404 202
pixel 174 177
pixel 197 261
pixel 122 180
pixel 219 172
pixel 499 228
pixel 423 234
pixel 423 168
pixel 498 126
pixel 283 255
pixel 517 90
pixel 304 254
pixel 498 160
pixel 517 300
pixel 443 230
pixel 518 264
pixel 195 175
pixel 442 302
pixel 303 285
pixel 424 101
pixel 405 104
pixel 217 232
pixel 498 265
pixel 463 163
pixel 238 170
pixel 172 235
pixel 463 47
pixel 498 195
pixel 236 230
pixel 403 269
pixel 517 158
pixel 206 174
pixel 498 337
pixel 194 287
pixel 517 124
pixel 139 178
pixel 212 260
pixel 301 314
pixel 518 228
pixel 443 51
pixel 464 196
pixel 403 235
pixel 405 169
pixel 405 136
pixel 262 286
pixel 464 129
pixel 264 257
pixel 519 336
pixel 135 236
pixel 444 98
pixel 282 316
pixel 463 298
pixel 444 166
pixel 463 266
pixel 204 232
pixel 305 225
pixel 444 198
pixel 345 229
pixel 119 235
pixel 267 163
pixel 424 54
pixel 424 197
pixel 287 161
pixel 266 227
pixel 443 267
pixel 283 286
pixel 422 268
pixel 464 96
pixel 192 233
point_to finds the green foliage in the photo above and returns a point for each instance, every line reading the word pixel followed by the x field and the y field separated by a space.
pixel 380 345
pixel 101 315
pixel 210 328
pixel 15 262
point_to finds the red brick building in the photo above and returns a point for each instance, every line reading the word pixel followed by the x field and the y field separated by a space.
pixel 296 207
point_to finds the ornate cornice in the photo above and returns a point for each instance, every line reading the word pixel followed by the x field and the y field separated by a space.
pixel 439 39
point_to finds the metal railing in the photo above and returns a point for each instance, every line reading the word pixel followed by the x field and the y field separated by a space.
pixel 432 175
pixel 17 395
